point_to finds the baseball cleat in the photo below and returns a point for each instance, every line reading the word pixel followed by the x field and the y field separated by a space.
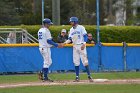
pixel 47 80
pixel 40 75
pixel 76 79
pixel 90 79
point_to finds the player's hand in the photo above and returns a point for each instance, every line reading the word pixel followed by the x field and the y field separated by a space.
pixel 63 44
pixel 60 46
pixel 83 47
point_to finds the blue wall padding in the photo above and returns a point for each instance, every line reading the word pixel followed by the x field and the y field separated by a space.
pixel 21 59
pixel 112 58
pixel 17 59
pixel 133 58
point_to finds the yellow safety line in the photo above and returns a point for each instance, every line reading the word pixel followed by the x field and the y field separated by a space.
pixel 133 44
pixel 70 45
pixel 112 44
pixel 18 45
pixel 33 44
pixel 121 44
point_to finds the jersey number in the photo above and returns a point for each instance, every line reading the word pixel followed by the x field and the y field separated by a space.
pixel 78 36
pixel 40 35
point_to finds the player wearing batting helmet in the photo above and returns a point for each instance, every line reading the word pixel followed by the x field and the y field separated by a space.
pixel 45 42
pixel 78 36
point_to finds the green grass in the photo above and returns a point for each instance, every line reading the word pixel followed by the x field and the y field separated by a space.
pixel 124 88
pixel 68 76
pixel 130 88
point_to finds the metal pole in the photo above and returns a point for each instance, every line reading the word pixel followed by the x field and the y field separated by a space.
pixel 98 21
pixel 98 36
pixel 42 11
pixel 124 56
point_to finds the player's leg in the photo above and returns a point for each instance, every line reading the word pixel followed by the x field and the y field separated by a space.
pixel 46 64
pixel 40 74
pixel 83 56
pixel 45 73
pixel 76 60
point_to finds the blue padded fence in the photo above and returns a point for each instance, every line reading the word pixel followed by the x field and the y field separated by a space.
pixel 133 58
pixel 22 59
pixel 112 58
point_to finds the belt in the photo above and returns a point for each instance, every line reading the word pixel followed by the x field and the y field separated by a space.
pixel 44 47
pixel 79 44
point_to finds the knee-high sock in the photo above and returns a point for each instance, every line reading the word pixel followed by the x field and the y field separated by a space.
pixel 87 69
pixel 77 71
pixel 45 72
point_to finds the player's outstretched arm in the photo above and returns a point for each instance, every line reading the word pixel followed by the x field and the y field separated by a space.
pixel 50 41
pixel 68 41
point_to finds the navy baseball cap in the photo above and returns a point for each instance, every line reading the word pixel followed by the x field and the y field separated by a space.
pixel 47 21
pixel 73 19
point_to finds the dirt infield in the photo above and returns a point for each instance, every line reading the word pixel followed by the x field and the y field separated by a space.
pixel 69 82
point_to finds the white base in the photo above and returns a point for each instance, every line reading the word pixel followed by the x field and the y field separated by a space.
pixel 100 80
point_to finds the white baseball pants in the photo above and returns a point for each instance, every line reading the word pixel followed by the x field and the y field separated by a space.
pixel 46 54
pixel 78 53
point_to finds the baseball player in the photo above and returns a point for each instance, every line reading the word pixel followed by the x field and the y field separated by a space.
pixel 45 42
pixel 78 36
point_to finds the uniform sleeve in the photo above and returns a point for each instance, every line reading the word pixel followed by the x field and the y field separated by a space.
pixel 84 32
pixel 52 42
pixel 85 38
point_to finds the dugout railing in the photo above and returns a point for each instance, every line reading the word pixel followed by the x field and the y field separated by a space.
pixel 16 35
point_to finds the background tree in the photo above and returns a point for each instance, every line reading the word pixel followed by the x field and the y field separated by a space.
pixel 8 14
pixel 28 12
pixel 129 14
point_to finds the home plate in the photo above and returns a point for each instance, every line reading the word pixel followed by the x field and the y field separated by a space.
pixel 100 80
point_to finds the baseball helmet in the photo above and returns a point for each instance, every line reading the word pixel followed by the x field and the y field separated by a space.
pixel 74 19
pixel 47 21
